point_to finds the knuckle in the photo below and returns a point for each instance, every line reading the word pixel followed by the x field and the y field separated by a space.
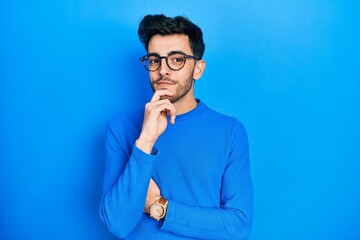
pixel 152 110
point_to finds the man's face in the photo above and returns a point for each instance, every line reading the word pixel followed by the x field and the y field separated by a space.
pixel 179 82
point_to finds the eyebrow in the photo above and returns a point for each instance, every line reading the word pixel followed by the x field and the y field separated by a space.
pixel 176 51
pixel 169 53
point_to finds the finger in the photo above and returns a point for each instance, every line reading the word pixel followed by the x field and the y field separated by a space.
pixel 172 117
pixel 166 110
pixel 158 102
pixel 158 94
pixel 152 105
pixel 164 106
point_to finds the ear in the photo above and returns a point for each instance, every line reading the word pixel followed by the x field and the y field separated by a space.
pixel 199 69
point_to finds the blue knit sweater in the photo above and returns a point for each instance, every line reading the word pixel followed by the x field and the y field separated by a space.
pixel 201 165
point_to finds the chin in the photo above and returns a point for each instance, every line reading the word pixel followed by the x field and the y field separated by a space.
pixel 172 99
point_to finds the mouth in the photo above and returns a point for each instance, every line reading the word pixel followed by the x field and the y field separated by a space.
pixel 164 83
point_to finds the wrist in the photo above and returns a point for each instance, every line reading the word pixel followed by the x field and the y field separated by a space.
pixel 149 203
pixel 158 210
pixel 144 145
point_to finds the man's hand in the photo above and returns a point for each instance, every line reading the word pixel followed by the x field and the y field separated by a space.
pixel 152 195
pixel 155 119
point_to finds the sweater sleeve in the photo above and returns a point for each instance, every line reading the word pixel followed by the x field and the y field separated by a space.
pixel 233 218
pixel 126 181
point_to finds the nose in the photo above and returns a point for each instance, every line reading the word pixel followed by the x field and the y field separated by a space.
pixel 164 68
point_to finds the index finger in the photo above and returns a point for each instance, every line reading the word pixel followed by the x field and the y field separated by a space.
pixel 159 93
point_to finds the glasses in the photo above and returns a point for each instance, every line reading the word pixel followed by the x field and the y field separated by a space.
pixel 175 61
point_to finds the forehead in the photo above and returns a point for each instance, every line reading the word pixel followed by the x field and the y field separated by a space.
pixel 164 44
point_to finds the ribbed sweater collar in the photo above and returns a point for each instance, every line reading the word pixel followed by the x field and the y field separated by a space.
pixel 194 112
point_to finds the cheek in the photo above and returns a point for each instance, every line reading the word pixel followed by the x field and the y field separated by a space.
pixel 189 71
pixel 153 76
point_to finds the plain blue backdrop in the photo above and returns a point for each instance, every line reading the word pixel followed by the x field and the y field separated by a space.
pixel 289 70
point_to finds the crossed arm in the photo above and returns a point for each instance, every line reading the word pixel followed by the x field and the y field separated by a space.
pixel 128 187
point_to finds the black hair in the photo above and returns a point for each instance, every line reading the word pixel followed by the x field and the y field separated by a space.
pixel 152 25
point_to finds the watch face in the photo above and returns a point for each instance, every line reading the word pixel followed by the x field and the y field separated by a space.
pixel 157 210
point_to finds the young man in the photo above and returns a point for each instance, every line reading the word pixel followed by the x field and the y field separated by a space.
pixel 176 169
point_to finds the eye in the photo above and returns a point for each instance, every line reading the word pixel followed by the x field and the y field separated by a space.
pixel 153 60
pixel 178 60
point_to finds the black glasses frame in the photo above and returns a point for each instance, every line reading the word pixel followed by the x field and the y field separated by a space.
pixel 146 57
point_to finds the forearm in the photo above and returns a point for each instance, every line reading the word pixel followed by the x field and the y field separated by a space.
pixel 207 223
pixel 123 203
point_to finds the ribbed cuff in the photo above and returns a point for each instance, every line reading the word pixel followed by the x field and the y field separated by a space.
pixel 139 154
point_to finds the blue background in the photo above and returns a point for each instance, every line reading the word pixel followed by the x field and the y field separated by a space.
pixel 289 70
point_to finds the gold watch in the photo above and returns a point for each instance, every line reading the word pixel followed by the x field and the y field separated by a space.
pixel 158 209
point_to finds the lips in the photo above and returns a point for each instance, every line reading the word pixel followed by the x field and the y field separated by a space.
pixel 164 83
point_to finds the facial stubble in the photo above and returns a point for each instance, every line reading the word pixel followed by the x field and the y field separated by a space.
pixel 180 92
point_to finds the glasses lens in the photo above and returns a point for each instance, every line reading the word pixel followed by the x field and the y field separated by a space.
pixel 176 61
pixel 151 63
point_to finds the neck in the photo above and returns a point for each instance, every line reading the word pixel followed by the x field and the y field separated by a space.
pixel 185 105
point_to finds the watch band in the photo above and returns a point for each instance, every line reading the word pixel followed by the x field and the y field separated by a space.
pixel 163 201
